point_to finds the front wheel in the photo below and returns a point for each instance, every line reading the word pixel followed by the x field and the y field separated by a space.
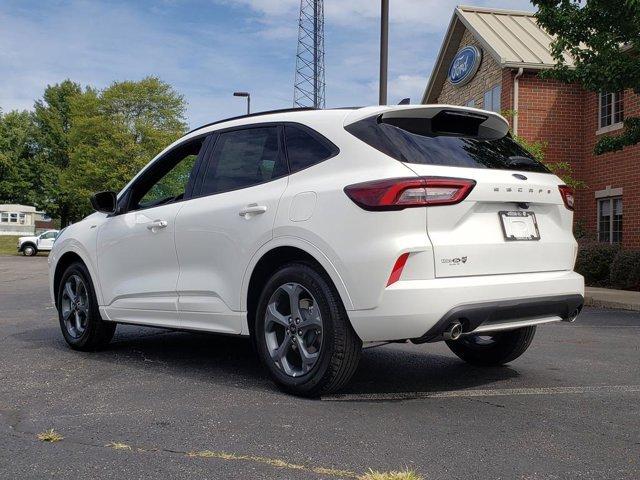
pixel 303 334
pixel 493 349
pixel 80 321
pixel 29 251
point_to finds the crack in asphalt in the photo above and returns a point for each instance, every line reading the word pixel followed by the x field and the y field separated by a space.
pixel 276 463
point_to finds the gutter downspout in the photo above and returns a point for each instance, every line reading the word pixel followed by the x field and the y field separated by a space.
pixel 516 84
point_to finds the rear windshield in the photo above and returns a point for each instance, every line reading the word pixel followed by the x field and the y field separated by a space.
pixel 452 150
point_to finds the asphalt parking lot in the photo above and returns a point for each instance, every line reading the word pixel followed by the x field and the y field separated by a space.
pixel 161 404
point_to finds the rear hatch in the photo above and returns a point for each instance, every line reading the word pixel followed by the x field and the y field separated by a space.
pixel 514 220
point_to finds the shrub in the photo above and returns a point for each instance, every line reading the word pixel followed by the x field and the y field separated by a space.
pixel 625 270
pixel 594 263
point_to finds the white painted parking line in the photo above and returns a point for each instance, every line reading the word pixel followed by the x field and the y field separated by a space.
pixel 498 392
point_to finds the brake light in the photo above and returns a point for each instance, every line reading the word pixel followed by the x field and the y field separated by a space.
pixel 400 193
pixel 567 196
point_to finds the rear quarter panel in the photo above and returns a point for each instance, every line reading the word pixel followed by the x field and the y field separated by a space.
pixel 361 246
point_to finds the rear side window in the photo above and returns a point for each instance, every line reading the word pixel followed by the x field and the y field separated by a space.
pixel 242 158
pixel 409 142
pixel 305 149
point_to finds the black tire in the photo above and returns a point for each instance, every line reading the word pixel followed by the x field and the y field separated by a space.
pixel 340 348
pixel 493 350
pixel 29 250
pixel 97 333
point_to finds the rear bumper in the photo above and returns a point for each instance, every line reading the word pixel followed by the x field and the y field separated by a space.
pixel 503 314
pixel 420 309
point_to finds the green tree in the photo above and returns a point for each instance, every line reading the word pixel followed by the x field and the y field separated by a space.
pixel 115 132
pixel 17 168
pixel 602 37
pixel 52 118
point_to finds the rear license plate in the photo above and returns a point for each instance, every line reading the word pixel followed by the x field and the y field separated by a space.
pixel 519 226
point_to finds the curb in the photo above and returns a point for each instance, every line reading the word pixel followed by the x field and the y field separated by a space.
pixel 606 298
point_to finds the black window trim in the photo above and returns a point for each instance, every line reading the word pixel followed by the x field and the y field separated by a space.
pixel 124 200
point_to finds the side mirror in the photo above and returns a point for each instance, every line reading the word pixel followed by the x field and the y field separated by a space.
pixel 105 202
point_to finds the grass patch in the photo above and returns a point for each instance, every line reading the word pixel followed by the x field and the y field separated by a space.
pixel 274 462
pixel 50 436
pixel 395 475
pixel 8 245
pixel 118 446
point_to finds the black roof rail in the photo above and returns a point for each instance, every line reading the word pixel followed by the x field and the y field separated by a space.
pixel 256 114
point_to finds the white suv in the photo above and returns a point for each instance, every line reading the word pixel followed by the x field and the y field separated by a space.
pixel 313 231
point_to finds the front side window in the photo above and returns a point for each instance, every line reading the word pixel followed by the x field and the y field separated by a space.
pixel 48 236
pixel 166 181
pixel 610 220
pixel 304 149
pixel 242 158
pixel 611 108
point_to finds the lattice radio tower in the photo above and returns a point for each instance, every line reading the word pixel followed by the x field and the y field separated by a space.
pixel 309 84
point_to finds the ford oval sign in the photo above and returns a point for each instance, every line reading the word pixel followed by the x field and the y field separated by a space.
pixel 464 65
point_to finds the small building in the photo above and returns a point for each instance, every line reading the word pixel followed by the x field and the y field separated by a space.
pixel 491 59
pixel 18 219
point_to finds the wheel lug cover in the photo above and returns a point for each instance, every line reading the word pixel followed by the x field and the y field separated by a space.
pixel 300 332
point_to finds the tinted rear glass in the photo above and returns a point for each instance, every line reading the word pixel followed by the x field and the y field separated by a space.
pixel 449 150
pixel 303 149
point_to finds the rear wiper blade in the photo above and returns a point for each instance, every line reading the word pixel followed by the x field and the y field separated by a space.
pixel 520 160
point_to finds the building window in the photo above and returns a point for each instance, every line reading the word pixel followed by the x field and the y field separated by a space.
pixel 4 217
pixel 610 220
pixel 13 217
pixel 492 99
pixel 611 108
pixel 471 103
pixel 22 218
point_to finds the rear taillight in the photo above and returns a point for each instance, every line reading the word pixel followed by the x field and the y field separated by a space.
pixel 567 196
pixel 400 193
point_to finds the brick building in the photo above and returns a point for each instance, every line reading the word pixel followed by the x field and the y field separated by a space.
pixel 491 59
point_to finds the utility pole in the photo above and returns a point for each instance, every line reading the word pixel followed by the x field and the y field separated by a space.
pixel 384 50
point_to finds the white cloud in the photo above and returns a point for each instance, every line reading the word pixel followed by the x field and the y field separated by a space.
pixel 251 48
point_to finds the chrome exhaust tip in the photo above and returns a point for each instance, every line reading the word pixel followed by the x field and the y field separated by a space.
pixel 573 315
pixel 453 331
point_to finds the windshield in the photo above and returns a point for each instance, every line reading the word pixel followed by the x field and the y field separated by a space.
pixel 453 150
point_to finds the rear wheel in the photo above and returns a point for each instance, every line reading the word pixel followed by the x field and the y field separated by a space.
pixel 493 349
pixel 302 332
pixel 29 250
pixel 80 321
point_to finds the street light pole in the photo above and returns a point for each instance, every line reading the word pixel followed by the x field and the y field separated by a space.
pixel 248 96
pixel 384 50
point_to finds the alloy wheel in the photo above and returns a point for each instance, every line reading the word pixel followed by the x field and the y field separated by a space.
pixel 75 306
pixel 293 329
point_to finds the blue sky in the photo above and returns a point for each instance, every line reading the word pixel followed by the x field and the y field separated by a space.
pixel 208 48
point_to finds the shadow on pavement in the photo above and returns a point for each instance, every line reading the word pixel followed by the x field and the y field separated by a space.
pixel 231 361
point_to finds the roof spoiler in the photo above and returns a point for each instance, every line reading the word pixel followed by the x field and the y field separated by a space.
pixel 439 120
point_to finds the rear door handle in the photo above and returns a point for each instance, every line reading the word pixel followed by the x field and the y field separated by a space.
pixel 252 210
pixel 157 225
